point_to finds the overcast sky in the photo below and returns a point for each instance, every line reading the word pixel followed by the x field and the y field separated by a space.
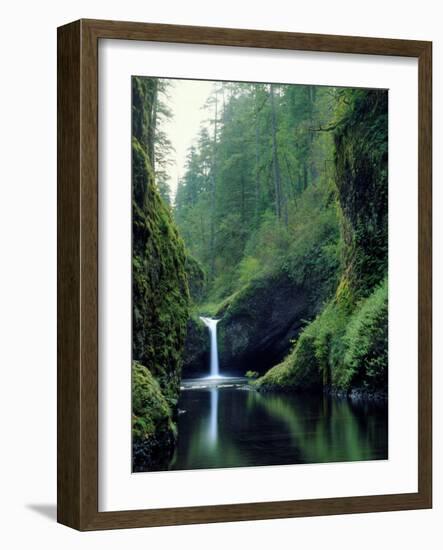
pixel 187 98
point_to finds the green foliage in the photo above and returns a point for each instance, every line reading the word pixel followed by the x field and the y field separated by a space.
pixel 365 344
pixel 268 245
pixel 261 225
pixel 248 268
pixel 313 256
pixel 196 278
pixel 251 374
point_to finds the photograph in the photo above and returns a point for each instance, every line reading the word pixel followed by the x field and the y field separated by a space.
pixel 259 274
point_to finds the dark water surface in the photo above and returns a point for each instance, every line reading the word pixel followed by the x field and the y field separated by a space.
pixel 234 426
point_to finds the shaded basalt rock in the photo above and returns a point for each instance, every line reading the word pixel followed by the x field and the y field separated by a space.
pixel 153 455
pixel 257 327
pixel 197 350
pixel 358 394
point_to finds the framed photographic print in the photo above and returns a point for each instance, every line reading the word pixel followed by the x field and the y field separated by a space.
pixel 244 275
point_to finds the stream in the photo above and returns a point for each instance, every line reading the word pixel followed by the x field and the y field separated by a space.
pixel 225 423
pixel 222 427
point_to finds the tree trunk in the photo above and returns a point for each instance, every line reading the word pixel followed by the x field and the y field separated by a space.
pixel 276 166
pixel 257 156
pixel 242 184
pixel 152 122
pixel 213 186
pixel 313 168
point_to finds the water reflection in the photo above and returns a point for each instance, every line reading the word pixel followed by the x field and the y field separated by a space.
pixel 229 427
pixel 213 416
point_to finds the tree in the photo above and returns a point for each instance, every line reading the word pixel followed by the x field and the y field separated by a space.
pixel 279 198
pixel 256 155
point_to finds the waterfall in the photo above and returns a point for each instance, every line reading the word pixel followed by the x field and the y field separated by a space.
pixel 212 326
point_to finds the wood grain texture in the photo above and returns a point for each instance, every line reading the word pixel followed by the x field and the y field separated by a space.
pixel 68 276
pixel 254 38
pixel 78 274
pixel 425 274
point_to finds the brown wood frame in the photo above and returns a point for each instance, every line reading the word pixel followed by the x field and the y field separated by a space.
pixel 77 409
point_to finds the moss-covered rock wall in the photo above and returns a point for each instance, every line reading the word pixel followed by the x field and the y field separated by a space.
pixel 159 292
pixel 361 160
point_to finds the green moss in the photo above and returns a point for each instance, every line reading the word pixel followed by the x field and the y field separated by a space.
pixel 365 344
pixel 160 294
pixel 153 429
pixel 160 284
pixel 151 413
pixel 361 162
pixel 299 369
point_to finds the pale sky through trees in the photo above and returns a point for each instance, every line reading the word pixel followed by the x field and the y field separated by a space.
pixel 187 98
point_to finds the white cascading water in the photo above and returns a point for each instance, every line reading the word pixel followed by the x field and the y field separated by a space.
pixel 212 326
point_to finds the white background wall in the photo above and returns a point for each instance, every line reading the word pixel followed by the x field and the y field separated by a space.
pixel 28 271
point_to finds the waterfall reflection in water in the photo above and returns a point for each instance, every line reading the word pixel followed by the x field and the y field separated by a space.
pixel 213 416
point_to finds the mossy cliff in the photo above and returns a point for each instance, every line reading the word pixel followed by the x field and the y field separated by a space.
pixel 346 346
pixel 160 297
pixel 361 144
pixel 197 348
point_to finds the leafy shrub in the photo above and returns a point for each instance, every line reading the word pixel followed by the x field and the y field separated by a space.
pixel 365 360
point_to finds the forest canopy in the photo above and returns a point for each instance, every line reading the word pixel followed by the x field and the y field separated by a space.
pixel 265 159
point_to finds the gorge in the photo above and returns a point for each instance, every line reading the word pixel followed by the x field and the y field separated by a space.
pixel 260 294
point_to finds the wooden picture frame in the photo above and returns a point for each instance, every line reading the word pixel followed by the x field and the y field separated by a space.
pixel 78 274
